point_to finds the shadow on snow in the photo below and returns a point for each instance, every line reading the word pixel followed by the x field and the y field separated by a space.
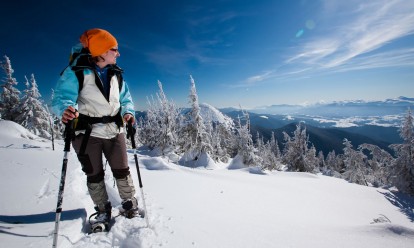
pixel 45 217
pixel 38 218
pixel 404 202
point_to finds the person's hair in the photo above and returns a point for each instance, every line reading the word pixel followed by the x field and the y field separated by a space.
pixel 96 59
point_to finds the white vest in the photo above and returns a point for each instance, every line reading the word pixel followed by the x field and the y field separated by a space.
pixel 92 102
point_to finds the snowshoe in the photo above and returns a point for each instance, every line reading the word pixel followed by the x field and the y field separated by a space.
pixel 99 227
pixel 102 218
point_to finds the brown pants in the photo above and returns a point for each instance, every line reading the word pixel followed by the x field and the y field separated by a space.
pixel 115 153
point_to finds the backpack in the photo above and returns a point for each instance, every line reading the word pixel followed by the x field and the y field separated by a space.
pixel 79 60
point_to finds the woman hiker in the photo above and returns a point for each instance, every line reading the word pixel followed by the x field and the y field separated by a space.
pixel 92 93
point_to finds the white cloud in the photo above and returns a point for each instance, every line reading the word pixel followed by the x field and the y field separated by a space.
pixel 259 78
pixel 352 36
pixel 365 29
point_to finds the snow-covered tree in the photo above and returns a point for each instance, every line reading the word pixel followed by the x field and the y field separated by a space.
pixel 57 124
pixel 148 126
pixel 33 116
pixel 311 159
pixel 321 159
pixel 259 142
pixel 244 141
pixel 354 164
pixel 296 155
pixel 270 160
pixel 161 125
pixel 222 142
pixel 403 167
pixel 274 147
pixel 219 136
pixel 265 155
pixel 10 96
pixel 195 141
pixel 380 163
pixel 333 165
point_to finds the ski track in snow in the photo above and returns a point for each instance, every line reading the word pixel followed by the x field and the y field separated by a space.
pixel 45 191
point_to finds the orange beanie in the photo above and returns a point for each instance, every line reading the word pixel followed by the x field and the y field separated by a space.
pixel 98 41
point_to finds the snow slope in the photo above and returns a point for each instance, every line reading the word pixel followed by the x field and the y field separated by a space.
pixel 193 207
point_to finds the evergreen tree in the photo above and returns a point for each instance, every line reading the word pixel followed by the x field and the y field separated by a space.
pixel 223 142
pixel 330 160
pixel 10 96
pixel 354 164
pixel 296 155
pixel 196 140
pixel 403 167
pixel 311 160
pixel 169 117
pixel 23 117
pixel 33 116
pixel 57 124
pixel 244 141
pixel 334 164
pixel 218 150
pixel 274 147
pixel 148 128
pixel 259 142
pixel 161 125
pixel 270 161
pixel 321 159
pixel 265 156
pixel 261 153
pixel 380 163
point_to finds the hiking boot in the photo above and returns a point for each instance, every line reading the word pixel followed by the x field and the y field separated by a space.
pixel 127 204
pixel 128 209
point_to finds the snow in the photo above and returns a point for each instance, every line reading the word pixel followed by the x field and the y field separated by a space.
pixel 224 206
pixel 212 114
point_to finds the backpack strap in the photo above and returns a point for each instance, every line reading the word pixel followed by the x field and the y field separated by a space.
pixel 80 77
pixel 82 156
pixel 120 80
pixel 85 139
pixel 117 71
pixel 81 66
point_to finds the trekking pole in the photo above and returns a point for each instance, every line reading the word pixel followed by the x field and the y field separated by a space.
pixel 131 133
pixel 68 137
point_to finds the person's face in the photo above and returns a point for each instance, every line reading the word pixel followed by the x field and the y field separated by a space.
pixel 111 55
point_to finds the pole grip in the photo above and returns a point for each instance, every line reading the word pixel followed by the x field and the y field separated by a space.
pixel 68 135
pixel 131 133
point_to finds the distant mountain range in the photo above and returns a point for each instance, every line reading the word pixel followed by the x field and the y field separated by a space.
pixel 324 139
pixel 327 124
pixel 342 108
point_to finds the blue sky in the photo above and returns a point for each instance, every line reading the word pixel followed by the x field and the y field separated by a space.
pixel 248 53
